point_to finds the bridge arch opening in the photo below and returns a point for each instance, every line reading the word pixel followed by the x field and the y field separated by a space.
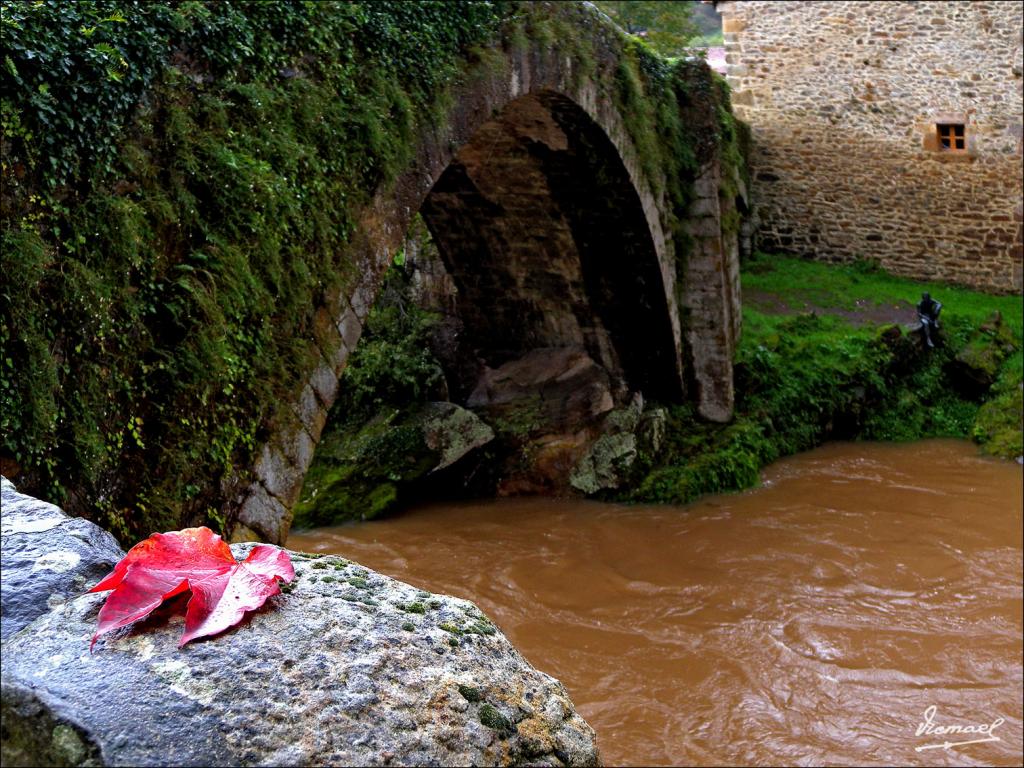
pixel 539 225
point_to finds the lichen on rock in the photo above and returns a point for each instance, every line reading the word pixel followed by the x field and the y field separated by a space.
pixel 977 365
pixel 607 461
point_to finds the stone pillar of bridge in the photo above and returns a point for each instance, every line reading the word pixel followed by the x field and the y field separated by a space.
pixel 710 295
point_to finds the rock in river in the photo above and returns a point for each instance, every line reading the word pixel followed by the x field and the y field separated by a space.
pixel 349 667
pixel 361 472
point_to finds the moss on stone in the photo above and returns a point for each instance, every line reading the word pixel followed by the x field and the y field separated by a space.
pixel 519 418
pixel 480 626
pixel 606 463
pixel 356 474
pixel 976 366
pixel 198 220
pixel 67 745
pixel 999 426
pixel 493 719
pixel 471 693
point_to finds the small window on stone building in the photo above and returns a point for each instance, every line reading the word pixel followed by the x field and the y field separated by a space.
pixel 951 137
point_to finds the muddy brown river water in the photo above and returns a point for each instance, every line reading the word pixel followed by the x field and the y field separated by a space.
pixel 814 620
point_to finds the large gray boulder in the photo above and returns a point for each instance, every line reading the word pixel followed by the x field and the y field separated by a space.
pixel 48 557
pixel 348 667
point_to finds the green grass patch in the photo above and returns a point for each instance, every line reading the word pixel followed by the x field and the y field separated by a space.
pixel 850 286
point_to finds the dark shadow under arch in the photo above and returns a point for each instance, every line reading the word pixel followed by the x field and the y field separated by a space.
pixel 544 234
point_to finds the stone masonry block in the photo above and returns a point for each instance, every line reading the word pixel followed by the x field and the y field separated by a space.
pixel 275 471
pixel 351 328
pixel 362 300
pixel 704 206
pixel 325 383
pixel 743 98
pixel 265 515
pixel 706 226
pixel 325 329
pixel 339 359
pixel 310 411
pixel 732 26
pixel 283 463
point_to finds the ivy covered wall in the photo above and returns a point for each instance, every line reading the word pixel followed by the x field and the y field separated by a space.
pixel 179 181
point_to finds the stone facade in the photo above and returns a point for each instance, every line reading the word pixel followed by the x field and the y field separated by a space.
pixel 844 100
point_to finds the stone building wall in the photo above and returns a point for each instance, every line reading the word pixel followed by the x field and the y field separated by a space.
pixel 844 100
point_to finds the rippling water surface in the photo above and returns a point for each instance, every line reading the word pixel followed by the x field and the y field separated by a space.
pixel 810 621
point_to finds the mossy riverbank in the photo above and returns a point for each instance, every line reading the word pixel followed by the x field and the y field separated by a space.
pixel 826 353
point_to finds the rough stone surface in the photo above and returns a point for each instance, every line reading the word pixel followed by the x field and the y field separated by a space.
pixel 350 328
pixel 976 366
pixel 453 432
pixel 359 471
pixel 711 295
pixel 47 557
pixel 324 383
pixel 310 411
pixel 844 100
pixel 264 515
pixel 348 667
pixel 607 461
pixel 564 387
pixel 548 408
pixel 652 429
pixel 279 470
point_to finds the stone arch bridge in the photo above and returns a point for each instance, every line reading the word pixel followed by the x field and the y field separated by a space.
pixel 557 238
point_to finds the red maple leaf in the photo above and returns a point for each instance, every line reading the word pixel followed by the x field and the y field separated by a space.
pixel 167 564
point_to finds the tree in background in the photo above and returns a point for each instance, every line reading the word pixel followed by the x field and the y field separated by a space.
pixel 709 25
pixel 666 24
